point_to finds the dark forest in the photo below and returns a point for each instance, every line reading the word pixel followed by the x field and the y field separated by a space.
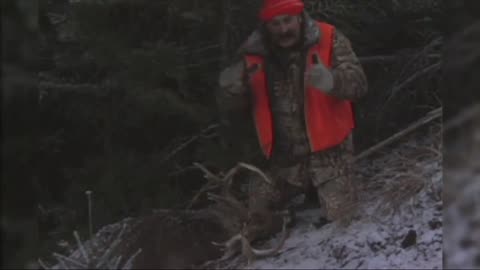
pixel 116 97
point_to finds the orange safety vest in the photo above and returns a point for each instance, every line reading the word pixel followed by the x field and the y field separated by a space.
pixel 329 120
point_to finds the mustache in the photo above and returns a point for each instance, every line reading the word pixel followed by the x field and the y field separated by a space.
pixel 287 35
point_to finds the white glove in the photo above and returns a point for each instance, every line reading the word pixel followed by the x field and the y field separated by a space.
pixel 319 76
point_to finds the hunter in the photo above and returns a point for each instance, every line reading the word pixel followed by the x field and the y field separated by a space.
pixel 297 77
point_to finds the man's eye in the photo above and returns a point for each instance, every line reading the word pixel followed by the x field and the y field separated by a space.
pixel 274 24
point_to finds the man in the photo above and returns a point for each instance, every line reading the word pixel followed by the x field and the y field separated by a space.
pixel 298 78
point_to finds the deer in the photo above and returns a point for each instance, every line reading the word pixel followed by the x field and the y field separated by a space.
pixel 180 238
pixel 239 242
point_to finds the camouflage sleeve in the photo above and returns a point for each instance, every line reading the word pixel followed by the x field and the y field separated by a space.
pixel 350 81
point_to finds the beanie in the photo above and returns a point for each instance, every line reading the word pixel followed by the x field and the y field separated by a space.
pixel 272 8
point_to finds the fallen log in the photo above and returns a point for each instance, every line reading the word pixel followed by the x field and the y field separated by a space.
pixel 430 116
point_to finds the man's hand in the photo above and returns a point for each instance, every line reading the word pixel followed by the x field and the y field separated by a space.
pixel 232 94
pixel 319 76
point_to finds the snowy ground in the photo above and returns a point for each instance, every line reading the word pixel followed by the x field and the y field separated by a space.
pixel 462 198
pixel 462 222
pixel 399 223
pixel 409 238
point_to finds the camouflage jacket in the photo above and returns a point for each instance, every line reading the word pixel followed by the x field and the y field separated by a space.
pixel 285 76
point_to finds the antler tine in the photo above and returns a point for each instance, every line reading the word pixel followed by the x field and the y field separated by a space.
pixel 208 174
pixel 229 242
pixel 213 181
pixel 226 198
pixel 227 179
pixel 257 170
pixel 272 251
pixel 229 246
pixel 251 252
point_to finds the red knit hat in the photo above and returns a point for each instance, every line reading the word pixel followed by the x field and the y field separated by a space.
pixel 272 8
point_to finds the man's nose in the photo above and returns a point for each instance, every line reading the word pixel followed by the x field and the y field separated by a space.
pixel 283 28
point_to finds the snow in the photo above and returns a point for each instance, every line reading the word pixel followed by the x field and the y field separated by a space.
pixel 399 223
pixel 462 195
pixel 462 217
pixel 366 244
pixel 373 240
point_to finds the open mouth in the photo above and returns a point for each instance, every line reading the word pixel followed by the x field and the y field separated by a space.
pixel 285 42
pixel 286 39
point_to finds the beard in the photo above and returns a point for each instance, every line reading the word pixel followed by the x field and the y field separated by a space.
pixel 286 36
pixel 287 39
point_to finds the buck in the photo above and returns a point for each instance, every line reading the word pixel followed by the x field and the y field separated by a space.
pixel 183 238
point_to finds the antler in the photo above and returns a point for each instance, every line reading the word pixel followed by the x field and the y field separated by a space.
pixel 215 181
pixel 230 246
pixel 238 242
pixel 248 249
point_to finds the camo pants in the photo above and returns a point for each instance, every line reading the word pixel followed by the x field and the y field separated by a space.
pixel 328 172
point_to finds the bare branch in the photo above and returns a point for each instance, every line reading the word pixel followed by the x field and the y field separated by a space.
pixel 62 259
pixel 377 58
pixel 188 142
pixel 412 78
pixel 129 263
pixel 388 58
pixel 67 87
pixel 81 247
pixel 43 265
pixel 432 115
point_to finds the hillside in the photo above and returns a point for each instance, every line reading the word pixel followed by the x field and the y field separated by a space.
pixel 399 222
pixel 406 177
pixel 462 186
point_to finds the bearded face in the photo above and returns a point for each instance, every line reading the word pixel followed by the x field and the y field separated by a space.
pixel 284 30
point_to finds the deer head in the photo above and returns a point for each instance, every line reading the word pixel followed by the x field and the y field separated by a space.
pixel 234 214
